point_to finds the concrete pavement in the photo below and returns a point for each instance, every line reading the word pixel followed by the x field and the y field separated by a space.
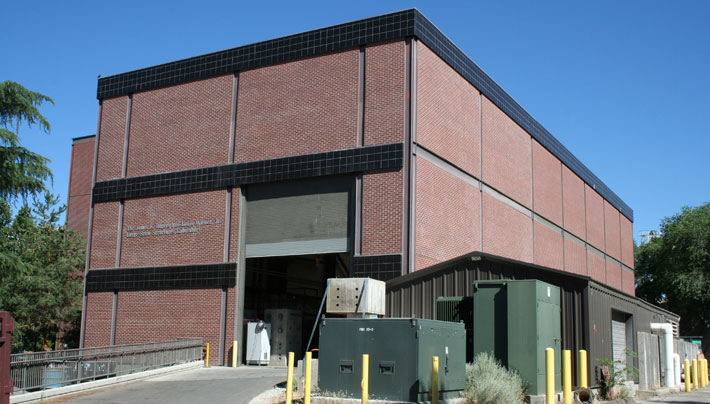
pixel 219 385
pixel 694 397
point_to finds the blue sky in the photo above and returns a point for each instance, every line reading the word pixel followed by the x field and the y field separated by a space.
pixel 624 85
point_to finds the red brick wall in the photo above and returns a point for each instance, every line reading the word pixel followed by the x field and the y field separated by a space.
pixel 575 257
pixel 613 274
pixel 548 246
pixel 595 217
pixel 382 212
pixel 507 155
pixel 162 315
pixel 597 266
pixel 180 127
pixel 299 107
pixel 104 235
pixel 112 136
pixel 612 234
pixel 547 184
pixel 205 246
pixel 447 217
pixel 573 203
pixel 80 178
pixel 384 93
pixel 506 231
pixel 627 242
pixel 628 282
pixel 448 112
pixel 98 319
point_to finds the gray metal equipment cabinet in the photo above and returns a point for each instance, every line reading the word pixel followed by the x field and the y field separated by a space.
pixel 400 355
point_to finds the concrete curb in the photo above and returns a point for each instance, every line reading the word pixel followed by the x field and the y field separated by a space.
pixel 99 384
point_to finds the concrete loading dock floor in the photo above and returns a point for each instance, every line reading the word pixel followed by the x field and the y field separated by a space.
pixel 206 385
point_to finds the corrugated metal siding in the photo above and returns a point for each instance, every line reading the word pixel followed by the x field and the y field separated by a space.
pixel 586 305
pixel 602 300
pixel 415 294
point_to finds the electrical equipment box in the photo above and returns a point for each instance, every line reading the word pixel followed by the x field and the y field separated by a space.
pixel 400 357
pixel 517 321
pixel 458 309
pixel 355 295
pixel 258 345
pixel 286 334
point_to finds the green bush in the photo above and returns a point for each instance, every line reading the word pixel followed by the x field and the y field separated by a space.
pixel 488 382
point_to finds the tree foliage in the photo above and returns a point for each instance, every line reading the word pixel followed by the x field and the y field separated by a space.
pixel 22 172
pixel 673 271
pixel 40 276
pixel 41 284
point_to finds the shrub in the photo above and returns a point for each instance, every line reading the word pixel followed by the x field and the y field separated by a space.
pixel 488 382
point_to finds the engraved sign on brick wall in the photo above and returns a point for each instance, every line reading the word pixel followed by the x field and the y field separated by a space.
pixel 167 229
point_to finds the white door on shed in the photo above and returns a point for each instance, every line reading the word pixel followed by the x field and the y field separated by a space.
pixel 618 342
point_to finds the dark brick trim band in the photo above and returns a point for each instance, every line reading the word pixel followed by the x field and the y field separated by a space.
pixel 399 25
pixel 380 267
pixel 311 43
pixel 233 175
pixel 201 276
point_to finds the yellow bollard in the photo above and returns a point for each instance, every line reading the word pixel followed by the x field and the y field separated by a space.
pixel 707 378
pixel 289 379
pixel 695 374
pixel 207 355
pixel 703 373
pixel 686 374
pixel 234 354
pixel 582 371
pixel 566 376
pixel 434 380
pixel 365 377
pixel 307 382
pixel 550 376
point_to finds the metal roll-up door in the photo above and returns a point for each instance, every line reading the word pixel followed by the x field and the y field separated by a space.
pixel 618 340
pixel 298 217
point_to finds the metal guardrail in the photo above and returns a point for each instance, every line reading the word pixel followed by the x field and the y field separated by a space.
pixel 43 370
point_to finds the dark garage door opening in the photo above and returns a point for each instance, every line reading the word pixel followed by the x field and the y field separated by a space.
pixel 292 282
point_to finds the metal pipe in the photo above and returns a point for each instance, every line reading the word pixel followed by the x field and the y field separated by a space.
pixel 434 380
pixel 289 379
pixel 582 371
pixel 365 378
pixel 550 376
pixel 676 368
pixel 207 356
pixel 567 376
pixel 667 331
pixel 307 381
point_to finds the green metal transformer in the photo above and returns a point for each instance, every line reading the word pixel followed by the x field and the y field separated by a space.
pixel 400 352
pixel 514 320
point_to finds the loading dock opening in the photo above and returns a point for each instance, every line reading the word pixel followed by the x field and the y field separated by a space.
pixel 293 282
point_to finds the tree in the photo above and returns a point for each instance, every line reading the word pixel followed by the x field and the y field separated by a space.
pixel 673 271
pixel 43 289
pixel 39 282
pixel 22 172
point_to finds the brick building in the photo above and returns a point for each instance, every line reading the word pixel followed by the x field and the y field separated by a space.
pixel 238 181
